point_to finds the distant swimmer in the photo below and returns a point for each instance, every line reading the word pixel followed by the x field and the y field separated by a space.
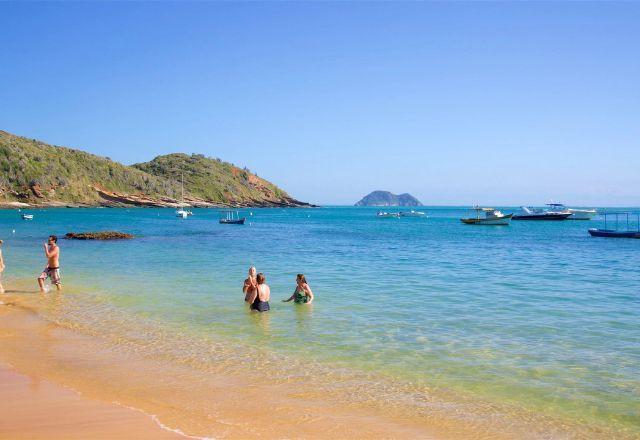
pixel 250 284
pixel 260 297
pixel 52 270
pixel 1 267
pixel 303 293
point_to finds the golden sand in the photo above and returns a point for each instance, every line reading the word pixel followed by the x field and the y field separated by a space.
pixel 31 408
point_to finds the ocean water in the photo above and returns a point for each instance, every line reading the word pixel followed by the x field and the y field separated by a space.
pixel 536 315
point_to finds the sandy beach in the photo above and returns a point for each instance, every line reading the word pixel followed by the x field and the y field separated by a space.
pixel 33 408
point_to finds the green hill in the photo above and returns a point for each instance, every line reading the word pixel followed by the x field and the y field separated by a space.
pixel 37 173
pixel 214 180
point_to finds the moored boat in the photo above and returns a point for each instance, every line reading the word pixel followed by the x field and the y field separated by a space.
pixel 541 214
pixel 617 232
pixel 412 213
pixel 582 214
pixel 232 218
pixel 383 214
pixel 492 216
pixel 27 216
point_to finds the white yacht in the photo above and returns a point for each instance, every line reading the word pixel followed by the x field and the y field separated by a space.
pixel 383 214
pixel 412 213
pixel 582 214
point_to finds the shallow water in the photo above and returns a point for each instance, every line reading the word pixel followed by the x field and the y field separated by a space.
pixel 537 315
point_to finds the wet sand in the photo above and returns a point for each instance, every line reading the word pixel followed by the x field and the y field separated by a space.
pixel 32 408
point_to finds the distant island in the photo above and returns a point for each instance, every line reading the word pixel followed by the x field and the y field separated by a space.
pixel 33 173
pixel 385 198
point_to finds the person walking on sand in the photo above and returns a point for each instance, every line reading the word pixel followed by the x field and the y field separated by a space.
pixel 250 284
pixel 259 299
pixel 1 267
pixel 52 270
pixel 303 293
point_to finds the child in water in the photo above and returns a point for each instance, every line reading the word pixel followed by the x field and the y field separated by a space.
pixel 303 293
pixel 250 284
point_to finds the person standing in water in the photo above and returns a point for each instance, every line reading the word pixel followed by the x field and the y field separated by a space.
pixel 52 270
pixel 250 284
pixel 303 293
pixel 1 267
pixel 259 299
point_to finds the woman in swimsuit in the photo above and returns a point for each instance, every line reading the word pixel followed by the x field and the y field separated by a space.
pixel 303 293
pixel 250 284
pixel 261 294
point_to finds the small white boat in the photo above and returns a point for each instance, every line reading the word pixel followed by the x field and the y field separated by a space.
pixel 382 214
pixel 27 216
pixel 581 214
pixel 491 217
pixel 181 212
pixel 412 213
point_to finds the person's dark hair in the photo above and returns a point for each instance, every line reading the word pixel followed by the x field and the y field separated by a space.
pixel 260 278
pixel 53 238
pixel 301 277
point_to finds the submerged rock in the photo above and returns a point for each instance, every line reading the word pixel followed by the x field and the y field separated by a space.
pixel 101 235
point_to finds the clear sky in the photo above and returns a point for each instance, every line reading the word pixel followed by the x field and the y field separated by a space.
pixel 456 103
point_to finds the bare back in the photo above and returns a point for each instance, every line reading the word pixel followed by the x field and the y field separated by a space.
pixel 264 292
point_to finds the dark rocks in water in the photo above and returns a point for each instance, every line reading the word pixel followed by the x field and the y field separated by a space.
pixel 102 235
pixel 385 198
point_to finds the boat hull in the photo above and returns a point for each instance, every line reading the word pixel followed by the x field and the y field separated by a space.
pixel 581 214
pixel 610 233
pixel 224 221
pixel 493 221
pixel 542 217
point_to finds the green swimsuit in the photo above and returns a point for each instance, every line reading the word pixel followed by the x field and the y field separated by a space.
pixel 300 297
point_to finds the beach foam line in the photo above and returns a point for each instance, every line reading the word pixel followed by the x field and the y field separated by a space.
pixel 157 421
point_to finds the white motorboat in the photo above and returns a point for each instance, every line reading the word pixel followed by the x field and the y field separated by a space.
pixel 412 213
pixel 27 216
pixel 576 214
pixel 553 213
pixel 581 214
pixel 382 214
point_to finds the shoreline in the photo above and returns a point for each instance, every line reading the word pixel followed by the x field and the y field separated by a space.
pixel 219 402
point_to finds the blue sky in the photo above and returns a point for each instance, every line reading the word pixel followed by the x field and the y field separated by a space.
pixel 456 103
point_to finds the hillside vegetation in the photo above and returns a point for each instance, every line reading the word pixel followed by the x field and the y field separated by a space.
pixel 213 180
pixel 37 173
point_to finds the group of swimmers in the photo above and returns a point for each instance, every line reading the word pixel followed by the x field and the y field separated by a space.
pixel 51 270
pixel 257 293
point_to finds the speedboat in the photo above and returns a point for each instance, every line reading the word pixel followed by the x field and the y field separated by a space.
pixel 412 213
pixel 542 214
pixel 582 214
pixel 491 217
pixel 27 216
pixel 382 214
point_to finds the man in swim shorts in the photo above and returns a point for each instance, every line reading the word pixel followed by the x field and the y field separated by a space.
pixel 52 270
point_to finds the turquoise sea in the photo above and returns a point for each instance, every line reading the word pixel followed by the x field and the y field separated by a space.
pixel 536 315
